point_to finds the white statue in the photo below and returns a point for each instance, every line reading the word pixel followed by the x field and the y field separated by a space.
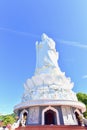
pixel 49 82
pixel 46 55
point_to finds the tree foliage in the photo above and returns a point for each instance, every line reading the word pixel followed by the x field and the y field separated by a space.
pixel 8 119
pixel 83 98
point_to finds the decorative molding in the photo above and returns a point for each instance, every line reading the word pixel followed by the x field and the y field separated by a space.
pixel 29 103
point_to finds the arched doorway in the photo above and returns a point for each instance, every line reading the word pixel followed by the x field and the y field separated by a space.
pixel 50 117
pixel 23 117
pixel 78 115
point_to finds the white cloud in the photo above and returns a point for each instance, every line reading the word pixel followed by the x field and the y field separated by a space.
pixel 75 44
pixel 84 76
pixel 70 43
pixel 18 32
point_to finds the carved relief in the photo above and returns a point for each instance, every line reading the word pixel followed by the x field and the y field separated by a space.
pixel 33 115
pixel 68 116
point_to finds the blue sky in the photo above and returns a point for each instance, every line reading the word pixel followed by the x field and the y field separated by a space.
pixel 22 23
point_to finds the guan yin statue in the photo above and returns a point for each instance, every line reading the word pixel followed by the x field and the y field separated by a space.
pixel 48 97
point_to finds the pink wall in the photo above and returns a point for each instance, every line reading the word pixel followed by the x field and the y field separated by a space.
pixel 49 127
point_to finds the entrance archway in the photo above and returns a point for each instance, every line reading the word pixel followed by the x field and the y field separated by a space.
pixel 23 117
pixel 50 116
pixel 23 113
pixel 78 116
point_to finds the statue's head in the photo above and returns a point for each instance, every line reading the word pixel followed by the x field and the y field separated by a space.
pixel 49 41
pixel 46 41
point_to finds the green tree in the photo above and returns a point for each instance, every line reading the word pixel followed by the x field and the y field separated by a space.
pixel 83 98
pixel 8 119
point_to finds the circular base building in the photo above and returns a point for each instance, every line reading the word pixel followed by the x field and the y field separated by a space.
pixel 48 98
